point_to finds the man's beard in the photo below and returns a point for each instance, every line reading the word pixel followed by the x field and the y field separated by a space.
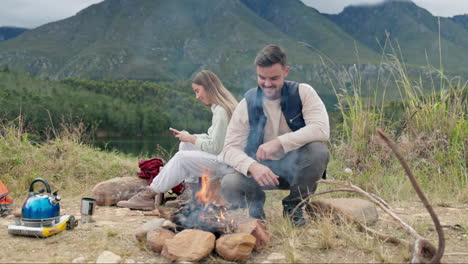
pixel 273 94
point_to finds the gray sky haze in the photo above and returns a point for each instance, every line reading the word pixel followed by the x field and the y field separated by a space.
pixel 33 13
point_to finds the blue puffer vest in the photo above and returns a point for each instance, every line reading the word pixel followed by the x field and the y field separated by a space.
pixel 291 106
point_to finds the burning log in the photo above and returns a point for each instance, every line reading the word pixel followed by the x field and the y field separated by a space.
pixel 204 211
pixel 207 217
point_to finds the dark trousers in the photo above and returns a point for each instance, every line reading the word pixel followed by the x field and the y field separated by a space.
pixel 299 171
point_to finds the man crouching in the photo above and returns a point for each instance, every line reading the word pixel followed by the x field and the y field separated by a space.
pixel 276 139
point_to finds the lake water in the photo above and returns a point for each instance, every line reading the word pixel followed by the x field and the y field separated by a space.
pixel 144 146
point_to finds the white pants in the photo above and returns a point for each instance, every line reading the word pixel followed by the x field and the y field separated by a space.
pixel 187 165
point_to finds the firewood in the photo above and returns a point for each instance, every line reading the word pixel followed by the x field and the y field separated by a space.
pixel 204 216
pixel 165 213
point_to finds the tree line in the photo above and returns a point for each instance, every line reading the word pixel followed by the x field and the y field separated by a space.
pixel 115 107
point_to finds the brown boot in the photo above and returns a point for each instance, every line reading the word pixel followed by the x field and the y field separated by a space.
pixel 190 189
pixel 144 200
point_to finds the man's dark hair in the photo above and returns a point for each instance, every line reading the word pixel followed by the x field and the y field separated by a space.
pixel 271 55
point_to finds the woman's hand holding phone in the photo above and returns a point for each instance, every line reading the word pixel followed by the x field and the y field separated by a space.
pixel 183 135
pixel 174 131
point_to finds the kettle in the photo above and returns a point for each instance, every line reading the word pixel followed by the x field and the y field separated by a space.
pixel 38 206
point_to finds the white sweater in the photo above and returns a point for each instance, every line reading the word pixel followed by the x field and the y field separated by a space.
pixel 212 141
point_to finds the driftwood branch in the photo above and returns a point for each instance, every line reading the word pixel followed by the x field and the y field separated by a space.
pixel 375 199
pixel 379 202
pixel 383 237
pixel 421 246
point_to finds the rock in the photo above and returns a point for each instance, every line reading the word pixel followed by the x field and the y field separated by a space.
pixel 257 229
pixel 155 239
pixel 189 245
pixel 153 224
pixel 140 234
pixel 129 261
pixel 235 247
pixel 108 257
pixel 79 260
pixel 112 191
pixel 276 257
pixel 351 209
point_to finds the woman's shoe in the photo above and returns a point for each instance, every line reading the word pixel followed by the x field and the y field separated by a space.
pixel 144 200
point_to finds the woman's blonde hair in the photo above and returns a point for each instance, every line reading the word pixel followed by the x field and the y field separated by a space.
pixel 216 91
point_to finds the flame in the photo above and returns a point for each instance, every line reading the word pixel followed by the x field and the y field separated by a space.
pixel 205 195
pixel 220 218
pixel 221 214
pixel 209 195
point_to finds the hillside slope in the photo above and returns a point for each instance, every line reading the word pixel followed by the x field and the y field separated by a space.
pixel 413 31
pixel 307 25
pixel 7 33
pixel 161 40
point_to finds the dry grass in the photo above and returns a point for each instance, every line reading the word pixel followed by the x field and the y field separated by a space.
pixel 325 239
pixel 65 162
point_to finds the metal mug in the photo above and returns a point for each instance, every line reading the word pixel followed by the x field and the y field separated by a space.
pixel 87 209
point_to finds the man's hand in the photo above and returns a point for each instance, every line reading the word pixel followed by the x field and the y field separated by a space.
pixel 263 175
pixel 265 150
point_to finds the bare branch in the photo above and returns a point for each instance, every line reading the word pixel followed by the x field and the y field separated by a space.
pixel 435 219
pixel 379 202
pixel 384 237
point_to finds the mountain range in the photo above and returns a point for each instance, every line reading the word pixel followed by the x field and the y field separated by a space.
pixel 7 33
pixel 166 40
pixel 402 24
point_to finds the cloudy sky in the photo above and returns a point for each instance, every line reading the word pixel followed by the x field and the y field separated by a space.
pixel 33 13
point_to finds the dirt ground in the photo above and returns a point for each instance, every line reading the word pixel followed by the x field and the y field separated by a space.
pixel 114 230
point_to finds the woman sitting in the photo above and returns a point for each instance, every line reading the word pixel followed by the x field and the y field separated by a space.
pixel 197 152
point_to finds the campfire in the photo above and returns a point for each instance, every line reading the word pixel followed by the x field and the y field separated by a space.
pixel 203 225
pixel 205 211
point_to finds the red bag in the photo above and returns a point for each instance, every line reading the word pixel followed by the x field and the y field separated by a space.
pixel 150 169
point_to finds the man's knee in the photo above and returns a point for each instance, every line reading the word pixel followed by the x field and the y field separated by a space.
pixel 312 162
pixel 231 182
pixel 316 152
